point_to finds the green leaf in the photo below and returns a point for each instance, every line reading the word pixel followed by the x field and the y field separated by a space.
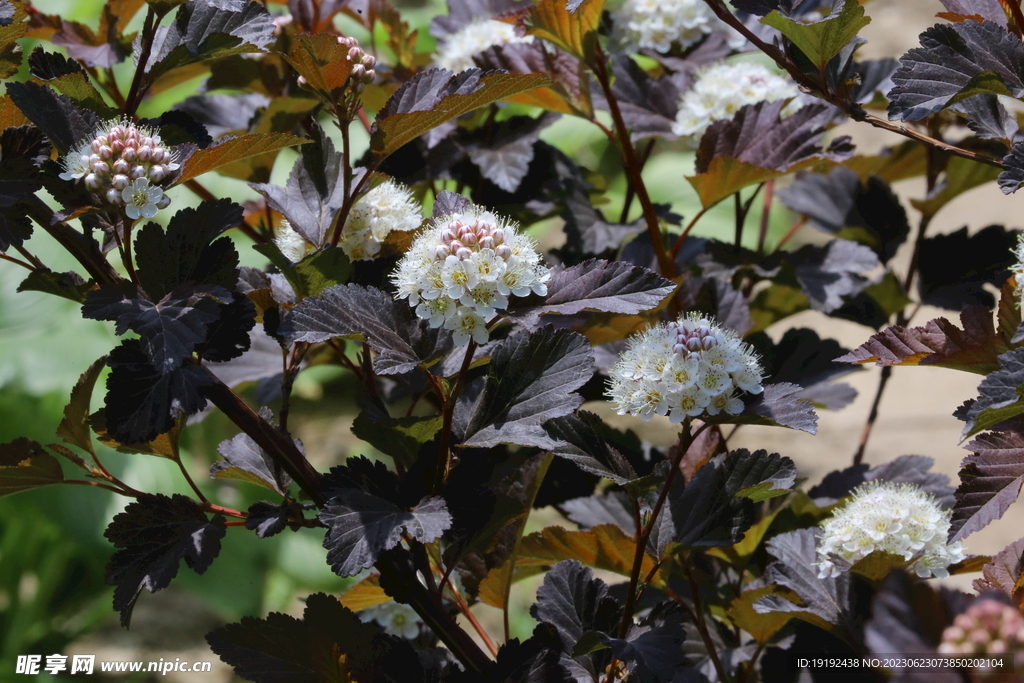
pixel 399 437
pixel 366 593
pixel 74 428
pixel 281 262
pixel 436 95
pixel 25 465
pixel 322 269
pixel 822 40
pixel 69 285
pixel 761 626
pixel 10 51
pixel 235 149
pixel 961 175
pixel 574 32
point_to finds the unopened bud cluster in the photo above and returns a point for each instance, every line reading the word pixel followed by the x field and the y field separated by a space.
pixel 385 209
pixel 899 519
pixel 123 164
pixel 362 73
pixel 1018 268
pixel 988 627
pixel 684 369
pixel 462 270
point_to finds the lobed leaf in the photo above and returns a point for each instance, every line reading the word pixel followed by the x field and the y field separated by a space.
pixel 153 534
pixel 603 547
pixel 975 348
pixel 531 379
pixel 597 285
pixel 360 526
pixel 823 39
pixel 434 96
pixel 954 268
pixel 572 30
pixel 402 341
pixel 74 428
pixel 779 405
pixel 244 460
pixel 1003 573
pixel 399 437
pixel 314 192
pixel 990 482
pixel 947 66
pixel 323 62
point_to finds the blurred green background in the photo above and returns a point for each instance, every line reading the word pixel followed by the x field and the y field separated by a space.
pixel 53 598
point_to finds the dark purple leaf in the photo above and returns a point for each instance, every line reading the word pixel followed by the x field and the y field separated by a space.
pixel 596 285
pixel 24 465
pixel 532 378
pixel 19 179
pixel 999 398
pixel 209 29
pixel 990 10
pixel 988 118
pixel 184 253
pixel 60 119
pixel 656 649
pixel 242 453
pixel 990 481
pixel 49 65
pixel 1012 176
pixel 266 519
pixel 790 8
pixel 141 402
pixel 448 203
pixel 360 526
pixel 464 12
pixel 867 212
pixel 779 405
pixel 648 106
pixel 361 474
pixel 605 508
pixel 221 114
pixel 574 602
pixel 153 534
pixel 956 61
pixel 916 470
pixel 537 660
pixel 717 297
pixel 1004 571
pixel 402 341
pixel 228 337
pixel 314 192
pixel 795 568
pixel 328 644
pixel 169 329
pixel 954 268
pixel 581 438
pixel 831 275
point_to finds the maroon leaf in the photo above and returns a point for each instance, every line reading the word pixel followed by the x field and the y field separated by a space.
pixel 990 481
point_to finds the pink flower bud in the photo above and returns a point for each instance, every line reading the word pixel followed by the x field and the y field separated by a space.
pixel 164 202
pixel 369 77
pixel 369 61
pixel 147 142
pixel 471 239
pixel 137 172
pixel 156 173
pixel 441 252
pixel 502 251
pixel 455 246
pixel 160 155
pixel 122 167
pixel 302 81
pixel 355 54
pixel 113 196
pixel 464 254
pixel 447 236
pixel 95 146
pixel 92 181
pixel 499 236
pixel 129 154
pixel 487 242
pixel 94 159
pixel 100 168
pixel 116 146
pixel 358 72
pixel 145 153
pixel 105 152
pixel 120 181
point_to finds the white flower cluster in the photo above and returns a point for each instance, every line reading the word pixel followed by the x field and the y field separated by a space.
pixel 122 163
pixel 899 519
pixel 462 270
pixel 291 244
pixel 684 368
pixel 988 627
pixel 397 619
pixel 1018 268
pixel 460 47
pixel 385 209
pixel 724 89
pixel 657 24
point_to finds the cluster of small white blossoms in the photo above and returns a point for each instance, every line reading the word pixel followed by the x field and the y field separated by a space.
pixel 462 270
pixel 123 163
pixel 899 519
pixel 1018 268
pixel 385 209
pixel 460 47
pixel 657 24
pixel 988 627
pixel 684 369
pixel 724 89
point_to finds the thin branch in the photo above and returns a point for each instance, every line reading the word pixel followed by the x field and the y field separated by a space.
pixel 138 87
pixel 792 231
pixel 18 261
pixel 96 484
pixel 188 478
pixel 769 195
pixel 630 192
pixel 444 458
pixel 702 626
pixel 632 167
pixel 30 257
